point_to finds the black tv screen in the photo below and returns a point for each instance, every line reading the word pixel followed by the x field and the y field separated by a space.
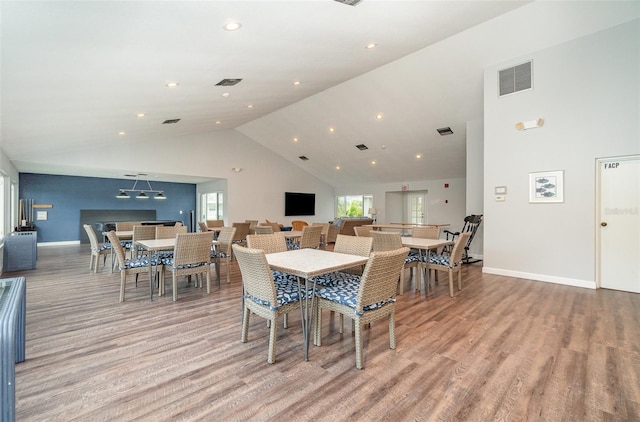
pixel 296 203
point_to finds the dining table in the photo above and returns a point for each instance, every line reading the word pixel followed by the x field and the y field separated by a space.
pixel 159 245
pixel 306 264
pixel 424 246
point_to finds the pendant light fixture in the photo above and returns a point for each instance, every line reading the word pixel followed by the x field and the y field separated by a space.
pixel 142 193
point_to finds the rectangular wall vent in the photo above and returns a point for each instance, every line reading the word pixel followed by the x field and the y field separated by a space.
pixel 170 121
pixel 443 131
pixel 303 158
pixel 229 82
pixel 515 79
pixel 362 147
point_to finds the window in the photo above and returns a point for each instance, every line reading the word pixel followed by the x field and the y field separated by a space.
pixel 211 206
pixel 353 205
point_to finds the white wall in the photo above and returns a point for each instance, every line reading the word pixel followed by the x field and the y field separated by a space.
pixel 438 210
pixel 475 181
pixel 588 92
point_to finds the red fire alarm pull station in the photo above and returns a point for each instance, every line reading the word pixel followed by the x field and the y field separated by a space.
pixel 446 185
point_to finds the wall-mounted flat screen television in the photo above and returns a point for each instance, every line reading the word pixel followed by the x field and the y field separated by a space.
pixel 296 203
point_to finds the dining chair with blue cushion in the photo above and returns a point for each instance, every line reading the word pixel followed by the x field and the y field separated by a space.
pixel 388 241
pixel 368 299
pixel 310 238
pixel 222 252
pixel 130 266
pixel 262 296
pixel 191 256
pixel 452 264
pixel 97 249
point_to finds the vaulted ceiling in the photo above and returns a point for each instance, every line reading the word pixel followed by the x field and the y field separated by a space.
pixel 77 74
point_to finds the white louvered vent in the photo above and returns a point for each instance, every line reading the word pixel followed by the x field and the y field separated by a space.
pixel 515 79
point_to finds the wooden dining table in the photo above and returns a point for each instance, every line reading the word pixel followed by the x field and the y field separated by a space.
pixel 306 264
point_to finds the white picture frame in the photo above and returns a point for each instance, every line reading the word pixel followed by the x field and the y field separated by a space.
pixel 546 187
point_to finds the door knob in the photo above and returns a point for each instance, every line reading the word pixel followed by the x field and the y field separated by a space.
pixel 603 224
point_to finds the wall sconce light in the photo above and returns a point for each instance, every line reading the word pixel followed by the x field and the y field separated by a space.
pixel 531 124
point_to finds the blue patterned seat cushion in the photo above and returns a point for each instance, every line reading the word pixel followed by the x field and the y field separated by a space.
pixel 169 262
pixel 103 247
pixel 347 294
pixel 282 278
pixel 441 260
pixel 219 254
pixel 285 293
pixel 412 258
pixel 335 278
pixel 142 261
pixel 293 245
pixel 127 244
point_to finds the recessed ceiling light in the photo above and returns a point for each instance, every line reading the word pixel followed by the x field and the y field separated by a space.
pixel 418 156
pixel 250 106
pixel 226 95
pixel 379 116
pixel 140 115
pixel 295 139
pixel 371 46
pixel 218 122
pixel 122 133
pixel 373 163
pixel 297 83
pixel 337 167
pixel 232 26
pixel 332 129
pixel 172 84
pixel 236 169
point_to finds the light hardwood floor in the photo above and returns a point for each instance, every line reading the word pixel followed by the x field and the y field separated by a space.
pixel 503 349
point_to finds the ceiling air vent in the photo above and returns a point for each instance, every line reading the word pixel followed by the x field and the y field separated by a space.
pixel 362 147
pixel 170 121
pixel 349 2
pixel 229 82
pixel 515 79
pixel 303 158
pixel 445 131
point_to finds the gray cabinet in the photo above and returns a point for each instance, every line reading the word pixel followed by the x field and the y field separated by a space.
pixel 20 251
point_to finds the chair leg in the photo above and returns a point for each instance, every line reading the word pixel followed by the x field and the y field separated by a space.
pixel 358 344
pixel 208 276
pixel 317 332
pixel 175 286
pixel 392 331
pixel 273 336
pixel 228 271
pixel 285 322
pixel 460 278
pixel 245 325
pixel 123 281
pixel 451 283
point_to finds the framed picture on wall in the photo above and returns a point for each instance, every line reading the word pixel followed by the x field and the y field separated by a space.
pixel 546 187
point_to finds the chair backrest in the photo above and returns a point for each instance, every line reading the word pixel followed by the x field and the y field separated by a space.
pixel 257 279
pixel 426 232
pixel 203 226
pixel 386 241
pixel 178 223
pixel 269 243
pixel 458 248
pixel 143 233
pixel 116 247
pixel 362 231
pixel 353 245
pixel 125 226
pixel 299 224
pixel 262 230
pixel 242 230
pixel 215 223
pixel 252 224
pixel 310 237
pixel 93 238
pixel 225 239
pixel 379 280
pixel 274 226
pixel 192 248
pixel 325 227
pixel 169 232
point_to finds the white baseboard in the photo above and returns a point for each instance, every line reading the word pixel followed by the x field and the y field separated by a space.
pixel 66 243
pixel 541 277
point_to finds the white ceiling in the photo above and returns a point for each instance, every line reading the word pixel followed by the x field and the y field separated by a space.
pixel 74 74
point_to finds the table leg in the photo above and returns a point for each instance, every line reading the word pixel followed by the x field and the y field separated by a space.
pixel 306 312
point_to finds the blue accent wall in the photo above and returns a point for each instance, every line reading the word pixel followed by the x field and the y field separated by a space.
pixel 70 194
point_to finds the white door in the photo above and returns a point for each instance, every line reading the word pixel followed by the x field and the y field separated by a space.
pixel 416 208
pixel 618 232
